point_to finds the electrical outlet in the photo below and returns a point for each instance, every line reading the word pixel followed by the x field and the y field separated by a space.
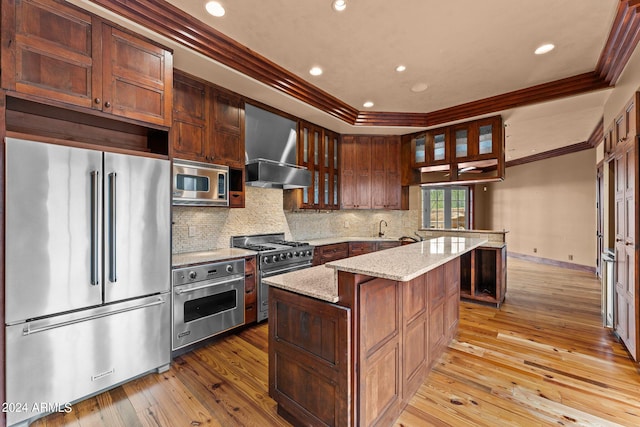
pixel 535 250
pixel 346 224
pixel 192 231
pixel 570 257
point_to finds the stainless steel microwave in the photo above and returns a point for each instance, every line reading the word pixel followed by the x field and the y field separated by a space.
pixel 200 184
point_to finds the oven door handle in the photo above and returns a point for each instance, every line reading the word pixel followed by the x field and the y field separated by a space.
pixel 286 269
pixel 208 285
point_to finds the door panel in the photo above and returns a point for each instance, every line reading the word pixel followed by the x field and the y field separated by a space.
pixel 137 226
pixel 49 229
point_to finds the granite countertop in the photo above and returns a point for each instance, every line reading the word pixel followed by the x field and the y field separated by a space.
pixel 316 282
pixel 495 245
pixel 200 257
pixel 462 230
pixel 409 261
pixel 333 240
pixel 402 263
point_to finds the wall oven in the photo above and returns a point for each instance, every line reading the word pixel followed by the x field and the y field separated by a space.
pixel 200 184
pixel 207 299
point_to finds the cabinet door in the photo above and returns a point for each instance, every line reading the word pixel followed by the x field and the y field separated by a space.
pixel 228 138
pixel 189 130
pixel 137 77
pixel 363 172
pixel 51 55
pixel 348 172
pixel 378 173
pixel 392 185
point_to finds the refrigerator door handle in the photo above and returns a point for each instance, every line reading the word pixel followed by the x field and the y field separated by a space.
pixel 113 276
pixel 28 331
pixel 95 228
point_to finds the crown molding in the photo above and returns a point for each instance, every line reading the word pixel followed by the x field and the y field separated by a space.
pixel 622 41
pixel 169 21
pixel 574 148
pixel 597 135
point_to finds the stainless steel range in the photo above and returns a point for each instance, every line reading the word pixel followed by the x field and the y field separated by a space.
pixel 275 256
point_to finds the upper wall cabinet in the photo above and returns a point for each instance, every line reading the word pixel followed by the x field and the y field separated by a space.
pixel 370 173
pixel 471 151
pixel 208 123
pixel 318 152
pixel 59 54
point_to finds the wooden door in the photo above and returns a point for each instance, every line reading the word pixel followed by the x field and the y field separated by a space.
pixel 52 53
pixel 228 141
pixel 378 172
pixel 137 77
pixel 392 185
pixel 190 126
pixel 348 172
pixel 625 240
pixel 363 172
pixel 600 218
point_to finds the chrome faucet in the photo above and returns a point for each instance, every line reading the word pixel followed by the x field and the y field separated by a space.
pixel 380 232
pixel 421 237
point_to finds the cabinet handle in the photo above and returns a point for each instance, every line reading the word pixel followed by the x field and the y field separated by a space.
pixel 97 100
pixel 629 244
pixel 107 104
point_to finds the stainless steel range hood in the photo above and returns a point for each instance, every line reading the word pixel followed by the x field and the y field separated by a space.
pixel 270 151
pixel 271 174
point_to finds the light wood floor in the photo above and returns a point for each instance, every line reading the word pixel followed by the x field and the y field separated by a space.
pixel 542 359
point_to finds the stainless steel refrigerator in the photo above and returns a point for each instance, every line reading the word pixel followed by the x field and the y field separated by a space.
pixel 87 272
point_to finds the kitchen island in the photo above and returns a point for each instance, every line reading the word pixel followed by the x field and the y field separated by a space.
pixel 350 342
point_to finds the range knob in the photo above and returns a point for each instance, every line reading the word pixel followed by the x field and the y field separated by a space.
pixel 289 255
pixel 308 253
pixel 295 253
pixel 193 275
pixel 229 268
pixel 282 256
pixel 274 258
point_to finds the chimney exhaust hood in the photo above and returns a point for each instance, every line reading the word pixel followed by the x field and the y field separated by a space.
pixel 270 151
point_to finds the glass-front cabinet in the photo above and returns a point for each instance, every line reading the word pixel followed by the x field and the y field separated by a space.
pixel 431 148
pixel 318 152
pixel 470 151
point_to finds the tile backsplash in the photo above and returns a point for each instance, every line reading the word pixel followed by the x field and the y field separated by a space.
pixel 204 228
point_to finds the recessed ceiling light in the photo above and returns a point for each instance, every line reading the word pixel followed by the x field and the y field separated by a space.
pixel 215 8
pixel 368 104
pixel 315 71
pixel 400 68
pixel 339 5
pixel 419 87
pixel 545 48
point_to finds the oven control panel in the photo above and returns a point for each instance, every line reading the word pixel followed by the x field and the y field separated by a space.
pixel 200 272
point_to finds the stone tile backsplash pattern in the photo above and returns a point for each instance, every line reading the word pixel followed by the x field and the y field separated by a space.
pixel 212 228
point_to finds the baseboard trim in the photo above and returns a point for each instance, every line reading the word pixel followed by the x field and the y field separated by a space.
pixel 555 263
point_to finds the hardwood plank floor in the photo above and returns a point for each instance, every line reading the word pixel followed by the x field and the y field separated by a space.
pixel 542 359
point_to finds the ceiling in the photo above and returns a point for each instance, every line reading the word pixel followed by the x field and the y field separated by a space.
pixel 463 51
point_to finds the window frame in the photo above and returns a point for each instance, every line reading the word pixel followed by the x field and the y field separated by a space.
pixel 447 198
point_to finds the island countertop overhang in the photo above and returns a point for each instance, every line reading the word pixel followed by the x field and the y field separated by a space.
pixel 407 262
pixel 402 264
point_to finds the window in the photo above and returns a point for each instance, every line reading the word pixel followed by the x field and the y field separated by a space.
pixel 445 207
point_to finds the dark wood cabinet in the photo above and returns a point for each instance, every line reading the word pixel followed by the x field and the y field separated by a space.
pixel 250 282
pixel 190 115
pixel 63 55
pixel 361 248
pixel 208 121
pixel 318 151
pixel 385 177
pixel 327 253
pixel 370 173
pixel 227 146
pixel 470 151
pixel 483 274
pixel 208 126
